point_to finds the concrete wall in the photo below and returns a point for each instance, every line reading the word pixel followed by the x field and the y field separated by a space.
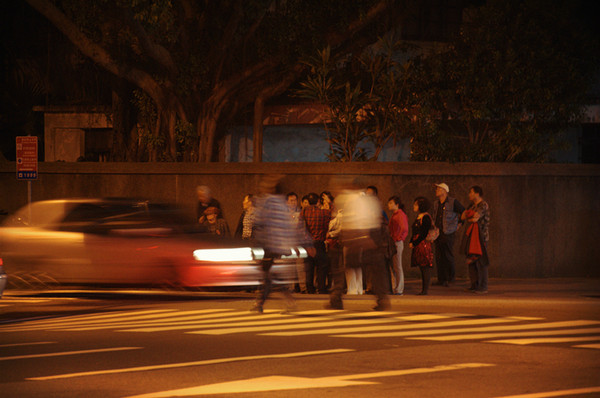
pixel 544 217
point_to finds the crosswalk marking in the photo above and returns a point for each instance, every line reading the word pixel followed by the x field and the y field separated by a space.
pixel 297 317
pixel 442 327
pixel 60 354
pixel 547 325
pixel 195 363
pixel 542 340
pixel 197 319
pixel 482 336
pixel 593 346
pixel 23 300
pixel 47 324
pixel 27 344
pixel 290 326
pixel 394 328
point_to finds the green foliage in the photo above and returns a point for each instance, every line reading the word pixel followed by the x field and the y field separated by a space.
pixel 505 90
pixel 367 96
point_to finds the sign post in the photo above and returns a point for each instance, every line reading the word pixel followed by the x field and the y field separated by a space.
pixel 27 161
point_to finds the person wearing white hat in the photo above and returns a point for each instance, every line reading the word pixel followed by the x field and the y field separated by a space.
pixel 446 216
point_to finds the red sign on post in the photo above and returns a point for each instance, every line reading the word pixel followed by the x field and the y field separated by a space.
pixel 27 158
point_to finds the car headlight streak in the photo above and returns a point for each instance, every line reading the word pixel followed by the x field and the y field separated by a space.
pixel 242 254
pixel 224 255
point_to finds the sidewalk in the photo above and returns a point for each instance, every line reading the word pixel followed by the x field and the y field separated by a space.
pixel 563 288
pixel 531 288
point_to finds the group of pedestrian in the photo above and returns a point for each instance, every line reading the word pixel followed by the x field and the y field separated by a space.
pixel 440 231
pixel 353 245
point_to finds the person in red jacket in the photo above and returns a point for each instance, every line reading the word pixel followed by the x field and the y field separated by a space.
pixel 398 227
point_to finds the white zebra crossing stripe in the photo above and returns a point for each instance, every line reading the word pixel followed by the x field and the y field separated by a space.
pixel 282 383
pixel 258 320
pixel 542 340
pixel 49 323
pixel 592 346
pixel 482 336
pixel 560 393
pixel 394 328
pixel 27 344
pixel 547 325
pixel 340 324
pixel 195 363
pixel 274 319
pixel 60 354
pixel 289 326
pixel 187 320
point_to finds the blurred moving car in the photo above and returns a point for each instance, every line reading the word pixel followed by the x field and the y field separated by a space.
pixel 2 279
pixel 125 242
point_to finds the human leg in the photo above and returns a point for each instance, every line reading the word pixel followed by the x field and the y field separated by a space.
pixel 310 264
pixel 473 276
pixel 337 275
pixel 425 279
pixel 322 267
pixel 265 290
pixel 482 271
pixel 398 272
pixel 375 261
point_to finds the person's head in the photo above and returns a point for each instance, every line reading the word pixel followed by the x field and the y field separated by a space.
pixel 292 200
pixel 441 191
pixel 475 193
pixel 313 199
pixel 371 190
pixel 326 198
pixel 394 203
pixel 204 194
pixel 421 205
pixel 304 203
pixel 248 202
pixel 211 214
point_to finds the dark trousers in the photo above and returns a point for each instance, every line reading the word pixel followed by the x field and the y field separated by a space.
pixel 478 274
pixel 425 278
pixel 267 284
pixel 320 263
pixel 375 261
pixel 338 276
pixel 444 257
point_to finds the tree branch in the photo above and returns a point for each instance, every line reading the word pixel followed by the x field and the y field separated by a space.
pixel 154 50
pixel 98 54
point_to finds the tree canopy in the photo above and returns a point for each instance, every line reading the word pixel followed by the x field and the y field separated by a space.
pixel 516 77
pixel 503 90
pixel 197 64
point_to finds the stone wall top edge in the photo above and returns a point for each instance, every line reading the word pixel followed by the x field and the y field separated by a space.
pixel 312 168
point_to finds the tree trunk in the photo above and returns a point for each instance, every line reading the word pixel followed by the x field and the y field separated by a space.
pixel 258 128
pixel 207 127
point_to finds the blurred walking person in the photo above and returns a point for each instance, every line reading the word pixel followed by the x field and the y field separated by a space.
pixel 363 236
pixel 276 233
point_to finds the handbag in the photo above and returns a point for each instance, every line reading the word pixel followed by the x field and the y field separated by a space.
pixel 433 233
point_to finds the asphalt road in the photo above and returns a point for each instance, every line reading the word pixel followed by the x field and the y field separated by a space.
pixel 523 339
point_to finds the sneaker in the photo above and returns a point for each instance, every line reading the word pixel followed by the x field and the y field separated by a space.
pixel 381 307
pixel 422 294
pixel 257 308
pixel 332 306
